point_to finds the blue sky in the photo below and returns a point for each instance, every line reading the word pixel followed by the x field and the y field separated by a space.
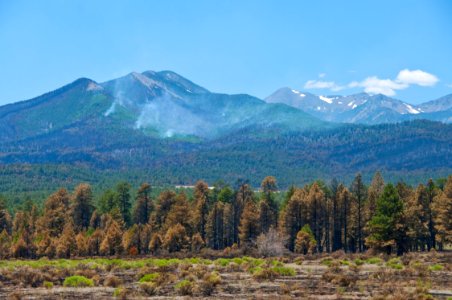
pixel 401 48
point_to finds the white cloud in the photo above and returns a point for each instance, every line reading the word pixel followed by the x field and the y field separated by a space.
pixel 319 84
pixel 416 77
pixel 375 85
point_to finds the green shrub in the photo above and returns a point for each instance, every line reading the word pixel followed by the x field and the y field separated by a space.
pixel 149 277
pixel 265 274
pixel 374 261
pixel 253 270
pixel 78 281
pixel 359 262
pixel 47 284
pixel 284 271
pixel 436 267
pixel 222 262
pixel 277 263
pixel 326 261
pixel 184 287
pixel 117 292
pixel 395 263
pixel 345 262
pixel 238 260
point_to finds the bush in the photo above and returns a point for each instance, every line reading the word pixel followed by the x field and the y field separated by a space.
pixel 222 261
pixel 277 263
pixel 271 243
pixel 284 271
pixel 209 282
pixel 47 284
pixel 374 261
pixel 112 281
pixel 327 261
pixel 184 287
pixel 150 288
pixel 78 281
pixel 264 274
pixel 152 277
pixel 359 262
pixel 436 267
pixel 395 263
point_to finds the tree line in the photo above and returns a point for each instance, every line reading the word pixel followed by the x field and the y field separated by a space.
pixel 314 218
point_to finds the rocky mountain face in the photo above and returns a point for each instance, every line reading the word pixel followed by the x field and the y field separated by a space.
pixel 363 108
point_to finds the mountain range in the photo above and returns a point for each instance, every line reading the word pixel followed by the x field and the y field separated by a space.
pixel 161 127
pixel 363 108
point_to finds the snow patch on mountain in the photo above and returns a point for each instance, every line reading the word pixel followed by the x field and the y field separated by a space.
pixel 326 99
pixel 411 110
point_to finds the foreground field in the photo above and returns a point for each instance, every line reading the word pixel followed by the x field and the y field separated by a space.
pixel 339 276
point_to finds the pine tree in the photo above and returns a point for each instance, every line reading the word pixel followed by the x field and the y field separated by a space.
pixel 165 201
pixel 66 243
pixel 384 225
pixel 226 195
pixel 431 194
pixel 94 242
pixel 215 228
pixel 56 213
pixel 5 244
pixel 20 248
pixel 5 219
pixel 197 243
pixel 179 213
pixel 112 241
pixel 123 200
pixel 336 215
pixel 82 206
pixel 243 195
pixel 23 237
pixel 442 215
pixel 82 244
pixel 305 242
pixel 416 209
pixel 249 224
pixel 268 208
pixel 176 239
pixel 95 220
pixel 374 192
pixel 228 238
pixel 108 201
pixel 33 215
pixel 201 209
pixel 316 212
pixel 155 244
pixel 359 192
pixel 143 205
pixel 145 238
pixel 46 246
pixel 343 199
pixel 269 185
pixel 131 240
pixel 293 217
